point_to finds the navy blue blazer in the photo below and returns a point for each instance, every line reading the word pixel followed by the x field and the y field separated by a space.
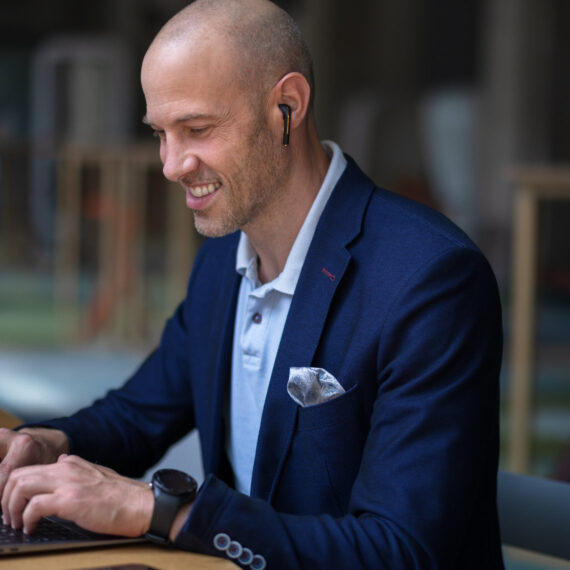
pixel 398 472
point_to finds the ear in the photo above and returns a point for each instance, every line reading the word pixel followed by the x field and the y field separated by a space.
pixel 293 90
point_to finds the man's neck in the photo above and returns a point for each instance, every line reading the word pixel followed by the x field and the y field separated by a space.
pixel 273 241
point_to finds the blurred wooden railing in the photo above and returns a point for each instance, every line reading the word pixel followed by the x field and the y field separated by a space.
pixel 119 207
pixel 534 185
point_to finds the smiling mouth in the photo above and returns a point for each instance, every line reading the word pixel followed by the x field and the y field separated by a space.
pixel 204 189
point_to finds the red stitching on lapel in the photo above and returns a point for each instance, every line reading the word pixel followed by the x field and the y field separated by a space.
pixel 328 274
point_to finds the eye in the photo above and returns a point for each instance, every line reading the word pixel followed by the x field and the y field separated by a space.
pixel 159 135
pixel 197 131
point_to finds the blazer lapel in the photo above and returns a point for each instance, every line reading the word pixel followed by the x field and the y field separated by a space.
pixel 323 270
pixel 217 462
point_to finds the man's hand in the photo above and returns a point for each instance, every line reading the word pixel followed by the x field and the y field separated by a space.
pixel 29 446
pixel 94 497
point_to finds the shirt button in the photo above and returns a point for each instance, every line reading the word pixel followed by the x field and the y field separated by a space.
pixel 256 318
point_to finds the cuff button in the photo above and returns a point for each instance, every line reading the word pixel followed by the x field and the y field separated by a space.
pixel 234 550
pixel 222 541
pixel 246 557
pixel 258 562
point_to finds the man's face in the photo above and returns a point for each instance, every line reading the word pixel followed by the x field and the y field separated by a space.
pixel 214 139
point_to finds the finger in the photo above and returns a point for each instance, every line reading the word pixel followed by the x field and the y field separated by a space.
pixel 19 451
pixel 23 484
pixel 38 506
pixel 12 505
pixel 75 460
pixel 7 462
pixel 5 470
pixel 5 437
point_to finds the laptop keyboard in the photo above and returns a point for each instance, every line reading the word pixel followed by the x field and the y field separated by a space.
pixel 46 531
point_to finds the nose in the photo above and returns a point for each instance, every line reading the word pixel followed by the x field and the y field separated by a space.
pixel 177 161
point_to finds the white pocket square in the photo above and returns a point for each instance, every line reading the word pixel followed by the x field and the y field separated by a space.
pixel 309 386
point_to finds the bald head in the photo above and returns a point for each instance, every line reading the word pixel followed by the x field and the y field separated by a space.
pixel 263 39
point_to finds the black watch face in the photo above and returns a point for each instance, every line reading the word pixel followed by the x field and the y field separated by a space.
pixel 175 482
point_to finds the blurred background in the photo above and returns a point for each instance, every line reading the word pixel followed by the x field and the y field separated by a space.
pixel 462 105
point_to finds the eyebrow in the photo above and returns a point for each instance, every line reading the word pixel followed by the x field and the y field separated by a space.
pixel 183 118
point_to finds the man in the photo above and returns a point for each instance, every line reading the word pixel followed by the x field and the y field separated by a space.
pixel 385 301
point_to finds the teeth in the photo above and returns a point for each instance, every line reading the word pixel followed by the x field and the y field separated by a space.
pixel 199 191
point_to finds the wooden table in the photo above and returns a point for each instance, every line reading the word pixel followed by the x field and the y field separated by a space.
pixel 7 420
pixel 150 555
pixel 533 185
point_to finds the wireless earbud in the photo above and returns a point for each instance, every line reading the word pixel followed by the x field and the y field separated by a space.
pixel 286 110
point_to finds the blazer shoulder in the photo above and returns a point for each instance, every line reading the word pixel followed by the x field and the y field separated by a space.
pixel 398 236
pixel 406 222
pixel 361 207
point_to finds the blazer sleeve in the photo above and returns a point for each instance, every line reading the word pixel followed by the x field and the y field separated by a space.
pixel 427 477
pixel 130 427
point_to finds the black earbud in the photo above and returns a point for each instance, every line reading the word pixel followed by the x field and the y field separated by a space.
pixel 286 110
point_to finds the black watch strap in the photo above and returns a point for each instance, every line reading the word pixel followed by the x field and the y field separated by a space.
pixel 165 509
pixel 172 489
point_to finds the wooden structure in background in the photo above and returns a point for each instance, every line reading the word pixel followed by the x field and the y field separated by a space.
pixel 121 213
pixel 533 186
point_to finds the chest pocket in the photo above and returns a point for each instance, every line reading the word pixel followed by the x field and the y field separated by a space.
pixel 324 457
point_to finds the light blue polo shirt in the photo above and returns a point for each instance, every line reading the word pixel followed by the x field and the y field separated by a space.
pixel 260 318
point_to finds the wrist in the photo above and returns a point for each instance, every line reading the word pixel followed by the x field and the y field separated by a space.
pixel 179 521
pixel 144 507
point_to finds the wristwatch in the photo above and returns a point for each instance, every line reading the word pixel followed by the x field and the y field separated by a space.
pixel 172 489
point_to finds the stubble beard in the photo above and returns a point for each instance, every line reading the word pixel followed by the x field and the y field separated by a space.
pixel 256 186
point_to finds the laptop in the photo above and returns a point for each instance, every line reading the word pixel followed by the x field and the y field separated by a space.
pixel 54 533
